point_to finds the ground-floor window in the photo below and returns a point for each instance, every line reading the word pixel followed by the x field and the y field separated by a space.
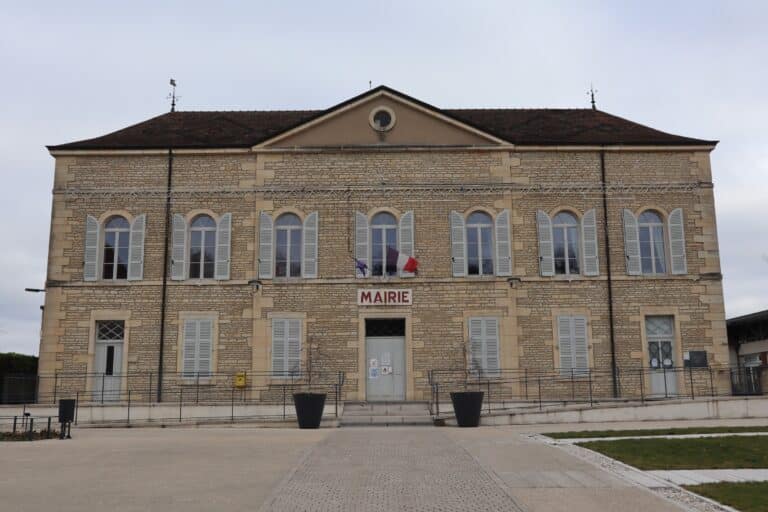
pixel 286 346
pixel 573 344
pixel 484 345
pixel 197 347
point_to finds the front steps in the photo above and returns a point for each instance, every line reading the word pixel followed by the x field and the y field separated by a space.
pixel 385 414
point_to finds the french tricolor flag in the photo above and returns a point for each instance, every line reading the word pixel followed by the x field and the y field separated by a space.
pixel 405 263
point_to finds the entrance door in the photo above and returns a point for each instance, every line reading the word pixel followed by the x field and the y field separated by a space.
pixel 108 360
pixel 660 333
pixel 386 368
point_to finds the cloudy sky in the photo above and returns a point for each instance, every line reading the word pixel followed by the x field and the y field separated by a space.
pixel 73 70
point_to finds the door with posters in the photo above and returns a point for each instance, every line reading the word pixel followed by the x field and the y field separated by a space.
pixel 660 332
pixel 385 360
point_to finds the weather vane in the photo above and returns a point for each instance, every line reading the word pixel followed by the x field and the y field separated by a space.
pixel 172 95
pixel 591 94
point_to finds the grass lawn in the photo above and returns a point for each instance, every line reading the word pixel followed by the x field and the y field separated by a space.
pixel 655 432
pixel 747 497
pixel 730 452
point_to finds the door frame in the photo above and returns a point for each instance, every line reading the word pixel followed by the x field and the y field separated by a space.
pixel 677 349
pixel 90 357
pixel 362 373
pixel 405 366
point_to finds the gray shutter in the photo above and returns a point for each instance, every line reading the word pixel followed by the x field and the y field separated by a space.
pixel 91 254
pixel 223 246
pixel 503 245
pixel 279 338
pixel 677 242
pixel 293 346
pixel 405 233
pixel 491 366
pixel 631 243
pixel 361 243
pixel 204 347
pixel 309 249
pixel 265 245
pixel 136 249
pixel 580 348
pixel 546 248
pixel 565 343
pixel 190 348
pixel 179 250
pixel 475 344
pixel 589 239
pixel 458 245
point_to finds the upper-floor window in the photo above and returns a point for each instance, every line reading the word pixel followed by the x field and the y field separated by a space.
pixel 479 244
pixel 565 237
pixel 650 228
pixel 117 233
pixel 202 247
pixel 383 244
pixel 288 245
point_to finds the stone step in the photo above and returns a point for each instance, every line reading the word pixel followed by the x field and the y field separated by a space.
pixel 385 421
pixel 386 408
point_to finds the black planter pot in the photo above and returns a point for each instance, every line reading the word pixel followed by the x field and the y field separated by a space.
pixel 309 409
pixel 466 407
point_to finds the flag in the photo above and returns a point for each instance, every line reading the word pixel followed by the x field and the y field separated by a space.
pixel 405 263
pixel 361 266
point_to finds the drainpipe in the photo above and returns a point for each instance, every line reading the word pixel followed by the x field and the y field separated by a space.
pixel 166 264
pixel 607 244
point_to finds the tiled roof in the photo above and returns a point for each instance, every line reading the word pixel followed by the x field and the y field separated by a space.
pixel 237 129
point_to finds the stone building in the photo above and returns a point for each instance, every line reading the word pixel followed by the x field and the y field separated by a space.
pixel 202 244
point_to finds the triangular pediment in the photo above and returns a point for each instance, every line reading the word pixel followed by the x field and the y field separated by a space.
pixel 359 122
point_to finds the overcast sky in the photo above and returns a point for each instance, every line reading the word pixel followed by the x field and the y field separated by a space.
pixel 73 70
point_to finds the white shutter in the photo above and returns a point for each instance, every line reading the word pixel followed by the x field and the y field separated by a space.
pixel 458 245
pixel 204 346
pixel 589 239
pixel 361 243
pixel 580 349
pixel 136 249
pixel 475 344
pixel 677 242
pixel 309 249
pixel 190 348
pixel 179 250
pixel 293 346
pixel 491 365
pixel 631 243
pixel 503 245
pixel 223 246
pixel 279 342
pixel 546 248
pixel 565 343
pixel 265 245
pixel 91 254
pixel 405 232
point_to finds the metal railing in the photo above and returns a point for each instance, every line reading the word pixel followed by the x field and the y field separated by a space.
pixel 23 426
pixel 507 389
pixel 238 390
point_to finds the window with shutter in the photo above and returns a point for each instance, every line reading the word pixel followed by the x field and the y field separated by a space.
pixel 91 252
pixel 677 242
pixel 589 238
pixel 631 243
pixel 223 243
pixel 136 249
pixel 546 250
pixel 503 245
pixel 286 347
pixel 406 234
pixel 179 249
pixel 309 254
pixel 265 245
pixel 458 245
pixel 573 345
pixel 362 265
pixel 484 346
pixel 197 346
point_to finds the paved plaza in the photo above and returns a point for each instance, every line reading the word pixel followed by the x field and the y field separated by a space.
pixel 349 469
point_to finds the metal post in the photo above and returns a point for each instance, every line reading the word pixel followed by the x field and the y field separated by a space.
pixel 711 383
pixel 232 410
pixel 589 376
pixel 129 406
pixel 150 388
pixel 31 427
pixel 48 431
pixel 55 385
pixel 642 386
pixel 103 376
pixel 77 404
pixel 336 400
pixel 526 383
pixel 181 398
pixel 197 388
pixel 539 379
pixel 573 388
pixel 664 372
pixel 690 374
pixel 437 399
pixel 14 424
pixel 283 386
pixel 488 385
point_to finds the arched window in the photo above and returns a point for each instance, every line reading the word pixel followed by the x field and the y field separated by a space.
pixel 652 251
pixel 117 233
pixel 383 238
pixel 479 244
pixel 202 247
pixel 565 238
pixel 288 246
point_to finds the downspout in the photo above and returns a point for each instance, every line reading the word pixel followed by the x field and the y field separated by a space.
pixel 614 374
pixel 166 264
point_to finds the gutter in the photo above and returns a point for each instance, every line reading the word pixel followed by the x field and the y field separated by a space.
pixel 166 264
pixel 607 244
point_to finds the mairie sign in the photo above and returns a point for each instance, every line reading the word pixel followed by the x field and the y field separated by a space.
pixel 384 297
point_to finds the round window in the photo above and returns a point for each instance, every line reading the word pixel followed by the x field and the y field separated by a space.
pixel 382 119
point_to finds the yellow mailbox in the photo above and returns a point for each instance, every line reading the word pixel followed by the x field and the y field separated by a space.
pixel 240 380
